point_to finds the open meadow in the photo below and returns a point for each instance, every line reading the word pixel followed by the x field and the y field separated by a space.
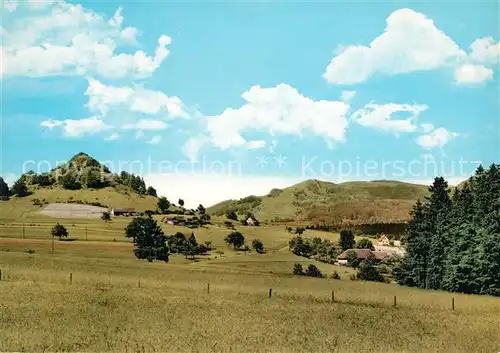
pixel 95 295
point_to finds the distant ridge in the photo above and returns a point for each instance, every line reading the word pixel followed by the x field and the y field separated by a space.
pixel 320 202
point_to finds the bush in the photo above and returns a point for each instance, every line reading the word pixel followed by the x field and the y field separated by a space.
pixel 297 270
pixel 229 224
pixel 30 251
pixel 4 198
pixel 365 244
pixel 258 246
pixel 313 271
pixel 368 271
pixel 352 277
pixel 352 259
pixel 335 275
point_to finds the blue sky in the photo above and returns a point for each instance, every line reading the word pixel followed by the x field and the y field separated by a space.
pixel 265 93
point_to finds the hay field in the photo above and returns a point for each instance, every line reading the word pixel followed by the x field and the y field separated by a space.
pixel 118 303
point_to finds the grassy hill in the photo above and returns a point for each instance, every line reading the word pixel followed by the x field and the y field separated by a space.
pixel 24 208
pixel 82 180
pixel 314 201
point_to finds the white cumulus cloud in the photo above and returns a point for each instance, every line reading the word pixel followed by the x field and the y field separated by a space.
pixel 410 42
pixel 381 117
pixel 485 50
pixel 279 110
pixel 136 99
pixel 347 95
pixel 437 138
pixel 61 38
pixel 472 74
pixel 76 128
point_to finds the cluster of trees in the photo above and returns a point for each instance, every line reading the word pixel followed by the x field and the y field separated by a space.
pixel 241 206
pixel 311 271
pixel 189 247
pixel 237 241
pixel 18 189
pixel 316 248
pixel 136 183
pixel 203 218
pixel 394 229
pixel 297 230
pixel 453 243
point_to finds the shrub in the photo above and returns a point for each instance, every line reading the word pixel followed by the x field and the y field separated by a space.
pixel 365 244
pixel 4 198
pixel 313 271
pixel 229 224
pixel 368 270
pixel 258 246
pixel 335 275
pixel 30 251
pixel 232 215
pixel 299 230
pixel 352 277
pixel 297 270
pixel 352 259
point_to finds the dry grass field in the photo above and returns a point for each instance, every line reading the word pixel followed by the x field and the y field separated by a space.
pixel 116 302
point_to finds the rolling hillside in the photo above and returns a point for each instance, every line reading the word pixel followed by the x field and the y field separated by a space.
pixel 314 201
pixel 82 180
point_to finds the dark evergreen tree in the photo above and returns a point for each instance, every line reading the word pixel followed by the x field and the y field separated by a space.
pixel 439 204
pixel 4 188
pixel 412 270
pixel 19 188
pixel 368 270
pixel 455 244
pixel 149 240
pixel 163 205
pixel 152 191
pixel 346 239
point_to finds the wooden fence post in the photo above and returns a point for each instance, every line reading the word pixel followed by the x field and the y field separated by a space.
pixel 270 292
pixel 333 296
pixel 139 283
pixel 0 274
pixel 70 278
pixel 208 287
pixel 394 300
pixel 452 303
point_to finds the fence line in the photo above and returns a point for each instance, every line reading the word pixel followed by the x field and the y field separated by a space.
pixel 334 299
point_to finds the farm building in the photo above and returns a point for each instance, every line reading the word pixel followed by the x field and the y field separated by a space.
pixel 383 240
pixel 362 254
pixel 123 212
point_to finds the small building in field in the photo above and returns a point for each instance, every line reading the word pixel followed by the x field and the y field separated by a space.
pixel 123 212
pixel 250 221
pixel 361 254
pixel 383 240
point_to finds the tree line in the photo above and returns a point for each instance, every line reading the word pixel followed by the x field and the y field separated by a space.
pixel 453 242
